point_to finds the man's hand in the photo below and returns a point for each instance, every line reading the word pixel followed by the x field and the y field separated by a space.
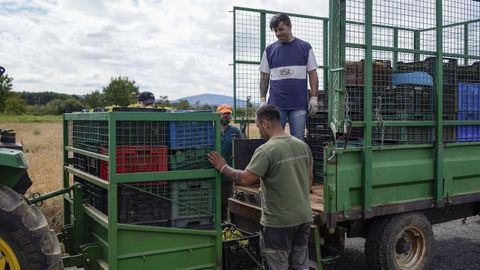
pixel 313 105
pixel 217 160
pixel 263 101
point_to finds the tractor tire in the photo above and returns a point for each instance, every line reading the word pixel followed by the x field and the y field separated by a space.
pixel 400 242
pixel 26 240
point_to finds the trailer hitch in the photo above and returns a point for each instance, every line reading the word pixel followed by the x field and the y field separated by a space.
pixel 38 199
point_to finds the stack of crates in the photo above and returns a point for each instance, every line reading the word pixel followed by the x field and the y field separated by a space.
pixel 411 97
pixel 355 73
pixel 450 86
pixel 150 146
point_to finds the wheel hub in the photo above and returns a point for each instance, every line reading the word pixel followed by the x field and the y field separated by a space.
pixel 8 259
pixel 410 248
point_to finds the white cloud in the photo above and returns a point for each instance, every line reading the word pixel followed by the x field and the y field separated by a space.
pixel 174 48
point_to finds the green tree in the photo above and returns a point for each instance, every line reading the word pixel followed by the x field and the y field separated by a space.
pixel 183 104
pixel 162 102
pixel 15 105
pixel 71 105
pixel 58 106
pixel 120 91
pixel 5 89
pixel 94 100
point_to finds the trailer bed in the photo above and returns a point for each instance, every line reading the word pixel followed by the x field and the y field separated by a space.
pixel 251 195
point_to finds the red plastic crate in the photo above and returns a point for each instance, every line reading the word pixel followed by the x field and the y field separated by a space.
pixel 140 158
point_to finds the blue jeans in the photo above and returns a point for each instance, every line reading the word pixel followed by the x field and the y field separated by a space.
pixel 297 120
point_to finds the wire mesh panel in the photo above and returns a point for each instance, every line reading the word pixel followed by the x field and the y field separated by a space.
pixel 180 203
pixel 88 135
pixel 404 35
pixel 251 35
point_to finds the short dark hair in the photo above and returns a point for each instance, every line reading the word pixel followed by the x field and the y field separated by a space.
pixel 268 112
pixel 280 17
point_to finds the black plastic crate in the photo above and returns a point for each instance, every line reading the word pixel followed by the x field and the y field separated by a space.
pixel 317 125
pixel 86 164
pixel 144 203
pixel 243 253
pixel 94 195
pixel 205 222
pixel 142 133
pixel 450 80
pixel 405 135
pixel 323 101
pixel 89 135
pixel 470 74
pixel 414 102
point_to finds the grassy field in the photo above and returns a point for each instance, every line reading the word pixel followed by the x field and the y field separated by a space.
pixel 5 118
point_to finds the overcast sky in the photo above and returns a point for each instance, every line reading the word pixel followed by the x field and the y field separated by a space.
pixel 174 48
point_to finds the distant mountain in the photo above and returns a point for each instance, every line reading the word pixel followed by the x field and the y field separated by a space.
pixel 210 99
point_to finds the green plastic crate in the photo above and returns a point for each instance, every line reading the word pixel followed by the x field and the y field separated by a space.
pixel 189 159
pixel 193 198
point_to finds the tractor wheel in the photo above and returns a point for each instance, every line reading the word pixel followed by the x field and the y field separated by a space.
pixel 26 240
pixel 400 242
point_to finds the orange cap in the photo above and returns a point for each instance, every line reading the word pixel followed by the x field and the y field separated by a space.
pixel 224 108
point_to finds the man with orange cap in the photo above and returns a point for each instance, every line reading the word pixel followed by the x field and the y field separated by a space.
pixel 228 132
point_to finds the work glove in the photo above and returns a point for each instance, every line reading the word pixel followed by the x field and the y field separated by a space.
pixel 313 105
pixel 263 101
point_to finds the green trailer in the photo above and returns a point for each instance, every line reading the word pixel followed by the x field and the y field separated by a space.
pixel 398 149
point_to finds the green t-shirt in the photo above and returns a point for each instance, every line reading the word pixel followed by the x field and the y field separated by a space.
pixel 282 163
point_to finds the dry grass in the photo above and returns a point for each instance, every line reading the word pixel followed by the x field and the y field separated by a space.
pixel 42 144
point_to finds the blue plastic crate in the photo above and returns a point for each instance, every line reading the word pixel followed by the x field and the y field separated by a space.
pixel 418 78
pixel 468 109
pixel 190 134
pixel 469 98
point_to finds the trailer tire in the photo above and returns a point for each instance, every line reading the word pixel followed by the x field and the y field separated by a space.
pixel 26 240
pixel 399 242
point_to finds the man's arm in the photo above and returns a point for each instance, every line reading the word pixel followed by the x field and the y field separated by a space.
pixel 313 78
pixel 239 177
pixel 264 82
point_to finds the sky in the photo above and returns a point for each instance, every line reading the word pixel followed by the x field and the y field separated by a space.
pixel 171 48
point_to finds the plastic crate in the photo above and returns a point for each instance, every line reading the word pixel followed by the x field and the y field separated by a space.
pixel 381 73
pixel 199 223
pixel 94 195
pixel 470 74
pixel 192 198
pixel 469 98
pixel 189 159
pixel 89 135
pixel 190 134
pixel 243 253
pixel 469 109
pixel 144 204
pixel 450 80
pixel 86 164
pixel 140 158
pixel 141 133
pixel 405 135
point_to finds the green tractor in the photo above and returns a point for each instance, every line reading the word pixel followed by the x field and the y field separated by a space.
pixel 26 240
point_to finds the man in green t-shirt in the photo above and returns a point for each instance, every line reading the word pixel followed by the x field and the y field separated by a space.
pixel 284 164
